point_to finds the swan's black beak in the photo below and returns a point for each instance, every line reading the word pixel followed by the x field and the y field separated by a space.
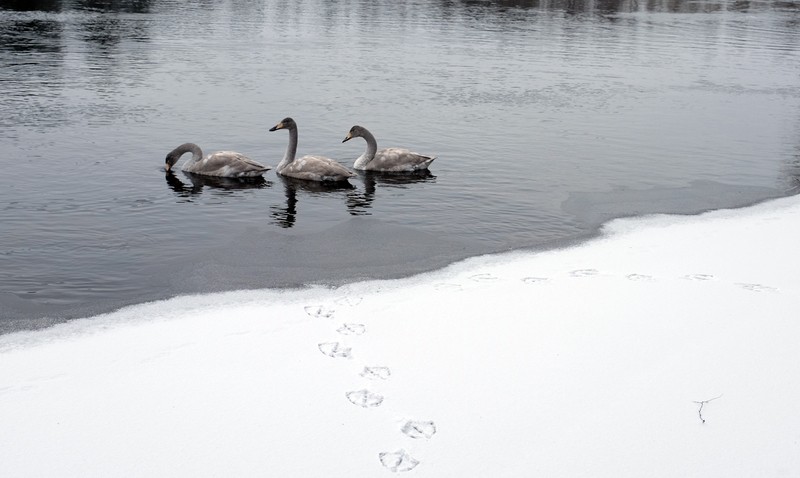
pixel 347 138
pixel 167 166
pixel 277 127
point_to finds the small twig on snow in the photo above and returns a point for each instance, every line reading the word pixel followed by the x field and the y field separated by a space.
pixel 703 402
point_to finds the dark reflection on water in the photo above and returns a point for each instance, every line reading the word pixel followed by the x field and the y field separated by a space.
pixel 199 182
pixel 360 202
pixel 32 5
pixel 529 105
pixel 129 6
pixel 285 215
pixel 34 35
pixel 372 179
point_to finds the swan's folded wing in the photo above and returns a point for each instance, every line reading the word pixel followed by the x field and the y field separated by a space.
pixel 399 159
pixel 317 168
pixel 231 163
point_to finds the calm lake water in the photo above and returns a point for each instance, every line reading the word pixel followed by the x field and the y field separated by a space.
pixel 547 117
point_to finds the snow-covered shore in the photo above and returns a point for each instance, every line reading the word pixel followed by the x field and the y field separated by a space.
pixel 667 347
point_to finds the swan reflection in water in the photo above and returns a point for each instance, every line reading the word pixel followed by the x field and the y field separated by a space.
pixel 358 203
pixel 286 216
pixel 224 186
pixel 389 180
pixel 397 180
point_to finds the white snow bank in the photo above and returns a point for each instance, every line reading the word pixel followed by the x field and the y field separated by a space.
pixel 591 361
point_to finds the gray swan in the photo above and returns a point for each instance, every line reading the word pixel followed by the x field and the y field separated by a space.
pixel 386 160
pixel 312 168
pixel 225 164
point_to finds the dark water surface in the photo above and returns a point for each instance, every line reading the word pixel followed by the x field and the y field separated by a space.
pixel 547 117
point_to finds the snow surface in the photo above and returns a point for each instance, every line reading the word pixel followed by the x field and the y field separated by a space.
pixel 667 347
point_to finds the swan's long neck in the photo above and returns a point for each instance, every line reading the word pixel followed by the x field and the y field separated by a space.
pixel 291 150
pixel 197 153
pixel 175 154
pixel 369 154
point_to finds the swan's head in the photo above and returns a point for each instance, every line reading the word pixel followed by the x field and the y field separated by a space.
pixel 286 123
pixel 170 160
pixel 355 132
pixel 174 155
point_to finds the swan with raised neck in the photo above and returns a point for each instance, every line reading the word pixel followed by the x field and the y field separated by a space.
pixel 308 167
pixel 386 160
pixel 227 164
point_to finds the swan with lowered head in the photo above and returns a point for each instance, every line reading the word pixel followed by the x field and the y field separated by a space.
pixel 226 164
pixel 312 168
pixel 386 160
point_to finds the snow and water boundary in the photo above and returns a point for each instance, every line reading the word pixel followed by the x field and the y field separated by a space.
pixel 663 347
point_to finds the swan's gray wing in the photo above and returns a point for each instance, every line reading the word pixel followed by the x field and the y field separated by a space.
pixel 316 168
pixel 228 164
pixel 399 159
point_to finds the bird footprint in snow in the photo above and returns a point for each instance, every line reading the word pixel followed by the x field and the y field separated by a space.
pixel 483 278
pixel 352 329
pixel 398 460
pixel 419 429
pixel 364 398
pixel 334 350
pixel 583 272
pixel 376 372
pixel 319 311
pixel 757 287
pixel 700 277
pixel 639 277
pixel 533 280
